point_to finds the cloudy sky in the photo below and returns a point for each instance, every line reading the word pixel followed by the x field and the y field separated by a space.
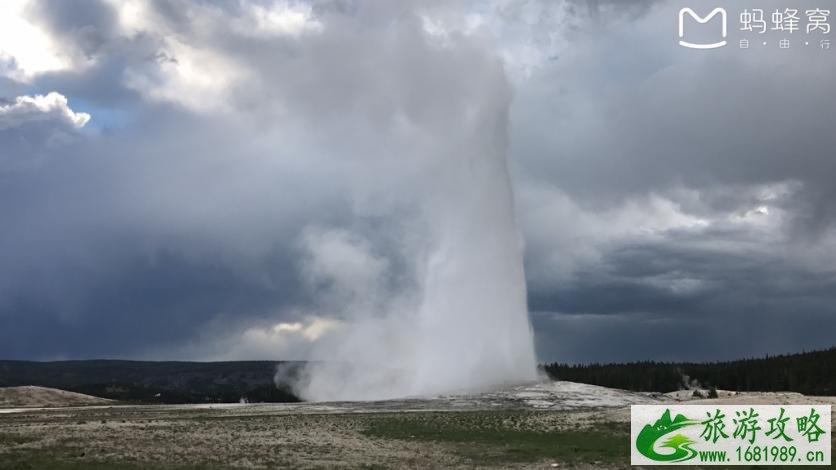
pixel 199 179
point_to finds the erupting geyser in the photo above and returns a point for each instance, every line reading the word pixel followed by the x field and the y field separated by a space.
pixel 461 320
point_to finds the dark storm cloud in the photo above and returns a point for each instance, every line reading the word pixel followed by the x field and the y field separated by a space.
pixel 137 240
pixel 675 279
pixel 733 305
pixel 138 303
pixel 117 246
pixel 627 124
pixel 85 25
pixel 126 240
pixel 737 142
pixel 715 303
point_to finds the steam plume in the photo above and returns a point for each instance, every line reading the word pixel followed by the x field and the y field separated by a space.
pixel 458 319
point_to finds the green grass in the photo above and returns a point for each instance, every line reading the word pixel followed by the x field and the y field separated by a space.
pixel 493 438
pixel 10 439
pixel 19 461
pixel 15 455
pixel 50 459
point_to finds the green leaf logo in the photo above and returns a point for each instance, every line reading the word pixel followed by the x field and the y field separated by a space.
pixel 680 444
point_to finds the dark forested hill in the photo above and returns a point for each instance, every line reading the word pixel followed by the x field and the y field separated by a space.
pixel 810 373
pixel 155 382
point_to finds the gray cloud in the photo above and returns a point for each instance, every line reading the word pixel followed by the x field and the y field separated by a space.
pixel 675 198
pixel 83 26
pixel 666 197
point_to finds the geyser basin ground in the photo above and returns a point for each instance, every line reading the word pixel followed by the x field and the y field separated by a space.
pixel 533 426
pixel 551 395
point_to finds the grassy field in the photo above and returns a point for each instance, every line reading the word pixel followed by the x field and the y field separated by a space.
pixel 503 438
pixel 189 438
pixel 185 437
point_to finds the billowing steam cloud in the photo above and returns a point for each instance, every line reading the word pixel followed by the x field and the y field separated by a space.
pixel 458 318
pixel 327 178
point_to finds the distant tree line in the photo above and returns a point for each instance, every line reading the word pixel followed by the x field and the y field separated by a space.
pixel 810 373
pixel 157 382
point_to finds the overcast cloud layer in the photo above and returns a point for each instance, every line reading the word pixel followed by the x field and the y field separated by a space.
pixel 173 180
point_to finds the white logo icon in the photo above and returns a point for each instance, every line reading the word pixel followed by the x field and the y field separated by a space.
pixel 701 20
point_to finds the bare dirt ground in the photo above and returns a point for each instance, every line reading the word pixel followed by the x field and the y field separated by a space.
pixel 554 425
pixel 30 396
